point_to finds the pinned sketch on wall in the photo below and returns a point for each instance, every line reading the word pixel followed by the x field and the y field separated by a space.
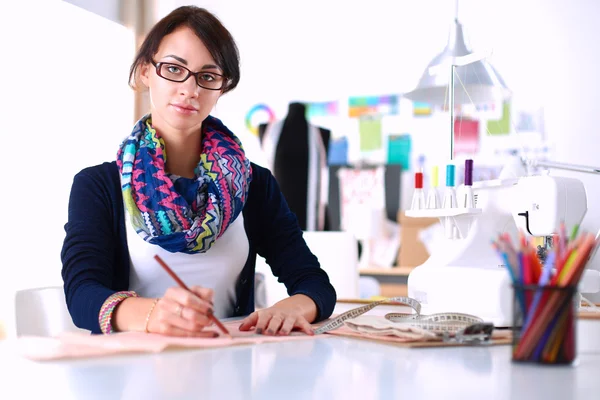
pixel 258 114
pixel 421 109
pixel 370 133
pixel 322 109
pixel 399 150
pixel 466 136
pixel 373 105
pixel 338 151
pixel 529 119
pixel 362 196
pixel 502 125
pixel 485 108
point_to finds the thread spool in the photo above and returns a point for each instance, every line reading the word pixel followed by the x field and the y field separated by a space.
pixel 450 175
pixel 418 200
pixel 466 196
pixel 418 180
pixel 433 200
pixel 469 173
pixel 449 194
pixel 449 201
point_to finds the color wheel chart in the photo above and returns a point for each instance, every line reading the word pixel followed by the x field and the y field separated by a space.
pixel 258 114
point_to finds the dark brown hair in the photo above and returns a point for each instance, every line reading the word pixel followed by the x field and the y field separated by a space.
pixel 209 30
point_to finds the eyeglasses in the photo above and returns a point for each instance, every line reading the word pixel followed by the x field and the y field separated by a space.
pixel 177 73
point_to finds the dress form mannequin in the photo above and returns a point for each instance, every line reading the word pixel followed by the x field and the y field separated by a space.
pixel 291 163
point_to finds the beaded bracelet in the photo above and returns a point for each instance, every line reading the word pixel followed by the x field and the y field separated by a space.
pixel 149 314
pixel 106 311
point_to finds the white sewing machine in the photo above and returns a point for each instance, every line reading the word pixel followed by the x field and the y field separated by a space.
pixel 465 274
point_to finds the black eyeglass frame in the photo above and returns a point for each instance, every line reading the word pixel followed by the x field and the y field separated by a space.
pixel 157 65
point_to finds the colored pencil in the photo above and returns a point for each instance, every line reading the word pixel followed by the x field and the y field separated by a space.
pixel 547 333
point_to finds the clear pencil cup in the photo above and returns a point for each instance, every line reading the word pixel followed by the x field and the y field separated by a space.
pixel 544 324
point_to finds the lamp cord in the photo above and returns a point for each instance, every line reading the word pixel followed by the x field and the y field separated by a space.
pixel 456 11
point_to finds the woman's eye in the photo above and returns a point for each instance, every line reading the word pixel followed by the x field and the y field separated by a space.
pixel 207 77
pixel 173 70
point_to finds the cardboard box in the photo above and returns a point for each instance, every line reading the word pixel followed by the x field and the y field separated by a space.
pixel 412 251
pixel 393 290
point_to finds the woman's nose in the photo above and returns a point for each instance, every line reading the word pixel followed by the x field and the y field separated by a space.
pixel 189 87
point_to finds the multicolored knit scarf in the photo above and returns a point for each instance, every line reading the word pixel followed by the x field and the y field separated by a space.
pixel 161 215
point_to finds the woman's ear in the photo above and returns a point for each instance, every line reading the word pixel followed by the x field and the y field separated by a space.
pixel 145 74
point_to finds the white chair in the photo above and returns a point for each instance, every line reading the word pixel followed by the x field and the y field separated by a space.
pixel 337 253
pixel 43 312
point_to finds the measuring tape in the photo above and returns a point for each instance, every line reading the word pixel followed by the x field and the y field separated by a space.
pixel 438 323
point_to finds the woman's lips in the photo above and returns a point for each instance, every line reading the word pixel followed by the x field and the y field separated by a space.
pixel 184 109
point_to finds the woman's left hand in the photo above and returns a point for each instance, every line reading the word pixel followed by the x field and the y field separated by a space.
pixel 275 321
pixel 282 318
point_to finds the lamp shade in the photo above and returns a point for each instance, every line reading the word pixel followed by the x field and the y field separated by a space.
pixel 482 82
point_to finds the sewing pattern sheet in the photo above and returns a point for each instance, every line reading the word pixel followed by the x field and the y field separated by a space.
pixel 81 345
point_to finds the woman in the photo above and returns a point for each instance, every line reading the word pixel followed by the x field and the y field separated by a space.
pixel 182 188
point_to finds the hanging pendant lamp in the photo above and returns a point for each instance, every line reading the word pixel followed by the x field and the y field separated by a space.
pixel 482 82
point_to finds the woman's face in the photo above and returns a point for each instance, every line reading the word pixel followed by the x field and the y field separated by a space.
pixel 181 106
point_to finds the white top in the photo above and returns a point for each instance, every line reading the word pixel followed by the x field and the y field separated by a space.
pixel 218 268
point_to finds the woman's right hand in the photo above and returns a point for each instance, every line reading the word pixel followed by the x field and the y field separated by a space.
pixel 183 313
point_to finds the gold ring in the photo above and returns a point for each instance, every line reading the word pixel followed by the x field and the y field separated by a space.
pixel 179 310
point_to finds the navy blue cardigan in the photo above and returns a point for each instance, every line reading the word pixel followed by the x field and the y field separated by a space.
pixel 95 257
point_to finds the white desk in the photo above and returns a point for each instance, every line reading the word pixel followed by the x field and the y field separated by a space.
pixel 325 368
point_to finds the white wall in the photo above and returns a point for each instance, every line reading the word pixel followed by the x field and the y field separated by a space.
pixel 321 51
pixel 316 50
pixel 64 105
